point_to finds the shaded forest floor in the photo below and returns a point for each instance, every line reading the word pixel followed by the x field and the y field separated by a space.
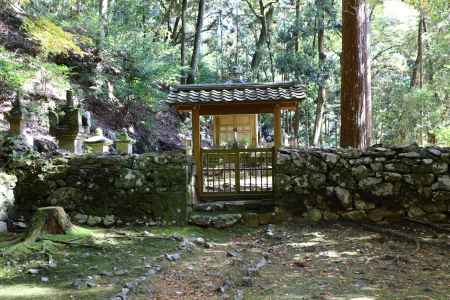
pixel 298 261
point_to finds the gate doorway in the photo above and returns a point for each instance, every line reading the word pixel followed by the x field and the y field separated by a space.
pixel 240 171
pixel 237 172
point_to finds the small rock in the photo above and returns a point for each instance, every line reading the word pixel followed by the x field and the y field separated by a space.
pixel 20 225
pixel 44 279
pixel 80 218
pixel 344 197
pixel 201 242
pixel 33 271
pixel 173 256
pixel 233 253
pixel 313 215
pixel 106 274
pixel 436 217
pixel 120 272
pixel 93 220
pixel 109 220
pixel 355 215
pixel 410 155
pixel 414 212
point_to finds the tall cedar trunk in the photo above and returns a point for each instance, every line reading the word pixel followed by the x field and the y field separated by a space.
pixel 183 40
pixel 296 121
pixel 417 72
pixel 197 43
pixel 320 100
pixel 356 110
pixel 265 18
pixel 103 14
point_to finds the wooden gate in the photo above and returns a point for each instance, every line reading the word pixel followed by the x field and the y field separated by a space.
pixel 236 172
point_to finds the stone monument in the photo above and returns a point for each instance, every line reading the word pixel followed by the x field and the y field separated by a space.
pixel 124 144
pixel 98 144
pixel 15 117
pixel 66 126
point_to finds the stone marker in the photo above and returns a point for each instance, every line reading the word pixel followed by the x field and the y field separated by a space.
pixel 15 118
pixel 98 143
pixel 66 126
pixel 124 144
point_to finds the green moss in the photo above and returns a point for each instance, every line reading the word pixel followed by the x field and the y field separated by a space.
pixel 52 38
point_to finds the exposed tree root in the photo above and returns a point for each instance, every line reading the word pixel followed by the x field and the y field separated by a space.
pixel 431 225
pixel 402 236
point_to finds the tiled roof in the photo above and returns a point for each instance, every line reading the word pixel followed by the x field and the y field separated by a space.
pixel 232 93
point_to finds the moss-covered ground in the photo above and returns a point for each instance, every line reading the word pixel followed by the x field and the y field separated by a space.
pixel 121 254
pixel 328 261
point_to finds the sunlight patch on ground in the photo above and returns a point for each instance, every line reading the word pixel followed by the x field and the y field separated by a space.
pixel 26 291
pixel 302 245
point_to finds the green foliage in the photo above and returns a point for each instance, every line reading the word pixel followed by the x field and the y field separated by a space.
pixel 52 38
pixel 443 136
pixel 16 71
pixel 13 71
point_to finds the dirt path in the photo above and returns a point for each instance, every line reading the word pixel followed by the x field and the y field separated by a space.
pixel 337 261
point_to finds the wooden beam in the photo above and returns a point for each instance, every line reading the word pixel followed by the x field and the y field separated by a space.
pixel 277 126
pixel 226 108
pixel 196 148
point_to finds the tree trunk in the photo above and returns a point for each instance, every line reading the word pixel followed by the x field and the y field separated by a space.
pixel 50 220
pixel 265 18
pixel 103 14
pixel 183 41
pixel 356 110
pixel 296 120
pixel 417 72
pixel 320 101
pixel 297 25
pixel 197 43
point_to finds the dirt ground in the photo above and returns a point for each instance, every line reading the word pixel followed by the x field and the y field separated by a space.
pixel 333 261
pixel 296 261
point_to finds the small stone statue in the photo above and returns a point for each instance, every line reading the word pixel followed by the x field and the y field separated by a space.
pixel 98 143
pixel 124 143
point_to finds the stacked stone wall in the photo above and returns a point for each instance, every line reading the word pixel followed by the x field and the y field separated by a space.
pixel 111 189
pixel 380 184
pixel 7 184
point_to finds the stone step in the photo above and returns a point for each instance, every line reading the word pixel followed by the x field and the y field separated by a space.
pixel 228 219
pixel 235 206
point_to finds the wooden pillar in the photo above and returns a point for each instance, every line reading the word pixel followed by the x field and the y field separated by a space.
pixel 196 146
pixel 277 125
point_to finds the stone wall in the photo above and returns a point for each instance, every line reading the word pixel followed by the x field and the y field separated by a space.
pixel 7 184
pixel 383 183
pixel 150 188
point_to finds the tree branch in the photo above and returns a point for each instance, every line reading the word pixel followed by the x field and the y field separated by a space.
pixel 250 5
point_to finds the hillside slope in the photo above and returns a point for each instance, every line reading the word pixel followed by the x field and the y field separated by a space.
pixel 33 68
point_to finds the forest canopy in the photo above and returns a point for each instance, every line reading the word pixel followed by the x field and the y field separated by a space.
pixel 146 46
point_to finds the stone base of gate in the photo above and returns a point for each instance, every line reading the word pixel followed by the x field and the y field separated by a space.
pixel 224 214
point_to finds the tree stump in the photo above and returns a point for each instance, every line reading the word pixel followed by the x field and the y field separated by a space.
pixel 50 220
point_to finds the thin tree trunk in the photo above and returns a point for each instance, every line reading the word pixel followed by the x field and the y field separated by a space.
pixel 320 101
pixel 356 124
pixel 296 120
pixel 183 41
pixel 103 14
pixel 197 43
pixel 417 72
